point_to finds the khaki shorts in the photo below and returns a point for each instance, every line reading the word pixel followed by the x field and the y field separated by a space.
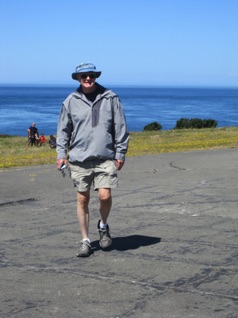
pixel 99 173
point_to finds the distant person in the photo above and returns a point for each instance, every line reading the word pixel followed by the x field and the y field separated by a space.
pixel 92 138
pixel 32 134
pixel 37 137
pixel 52 141
pixel 42 139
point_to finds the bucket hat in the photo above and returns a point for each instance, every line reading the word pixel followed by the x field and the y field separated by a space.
pixel 85 68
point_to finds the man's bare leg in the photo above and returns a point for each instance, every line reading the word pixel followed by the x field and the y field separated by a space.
pixel 83 212
pixel 105 200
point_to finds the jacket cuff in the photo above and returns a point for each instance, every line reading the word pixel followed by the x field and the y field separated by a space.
pixel 120 156
pixel 61 156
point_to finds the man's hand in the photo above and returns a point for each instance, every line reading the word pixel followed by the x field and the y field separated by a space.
pixel 61 162
pixel 119 164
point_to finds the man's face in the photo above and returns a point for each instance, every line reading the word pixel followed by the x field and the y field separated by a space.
pixel 87 81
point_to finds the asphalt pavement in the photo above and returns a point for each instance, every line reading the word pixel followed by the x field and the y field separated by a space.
pixel 174 225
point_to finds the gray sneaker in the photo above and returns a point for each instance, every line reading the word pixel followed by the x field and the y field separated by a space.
pixel 85 249
pixel 105 240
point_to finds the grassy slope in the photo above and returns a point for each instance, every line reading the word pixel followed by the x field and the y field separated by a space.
pixel 15 152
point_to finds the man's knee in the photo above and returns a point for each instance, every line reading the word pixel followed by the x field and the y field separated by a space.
pixel 83 198
pixel 104 195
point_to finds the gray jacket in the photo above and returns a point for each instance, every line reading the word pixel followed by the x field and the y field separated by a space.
pixel 92 130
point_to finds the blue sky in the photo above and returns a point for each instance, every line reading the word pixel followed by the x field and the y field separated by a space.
pixel 133 42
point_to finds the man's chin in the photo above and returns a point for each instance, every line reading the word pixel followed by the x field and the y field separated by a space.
pixel 88 85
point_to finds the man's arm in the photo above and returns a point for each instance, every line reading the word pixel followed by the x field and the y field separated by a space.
pixel 61 162
pixel 64 130
pixel 121 133
pixel 119 164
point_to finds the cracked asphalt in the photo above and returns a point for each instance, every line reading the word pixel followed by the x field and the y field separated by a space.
pixel 174 225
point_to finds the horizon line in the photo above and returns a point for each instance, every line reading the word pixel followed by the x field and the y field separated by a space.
pixel 118 85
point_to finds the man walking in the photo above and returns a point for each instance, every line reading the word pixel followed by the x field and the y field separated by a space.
pixel 32 132
pixel 92 138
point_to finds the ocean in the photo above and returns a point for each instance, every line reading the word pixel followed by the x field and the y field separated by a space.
pixel 22 105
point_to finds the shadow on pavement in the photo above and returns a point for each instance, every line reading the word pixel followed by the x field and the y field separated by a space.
pixel 130 242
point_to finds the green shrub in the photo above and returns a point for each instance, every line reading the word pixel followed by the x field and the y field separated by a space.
pixel 209 123
pixel 153 126
pixel 182 123
pixel 185 123
pixel 196 123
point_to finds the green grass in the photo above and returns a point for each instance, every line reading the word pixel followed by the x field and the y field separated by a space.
pixel 15 151
pixel 182 140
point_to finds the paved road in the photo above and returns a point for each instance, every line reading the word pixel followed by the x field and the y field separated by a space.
pixel 174 223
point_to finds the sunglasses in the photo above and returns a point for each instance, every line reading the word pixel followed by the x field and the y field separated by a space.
pixel 84 76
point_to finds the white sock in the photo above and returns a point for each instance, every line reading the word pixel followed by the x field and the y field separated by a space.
pixel 103 226
pixel 87 239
